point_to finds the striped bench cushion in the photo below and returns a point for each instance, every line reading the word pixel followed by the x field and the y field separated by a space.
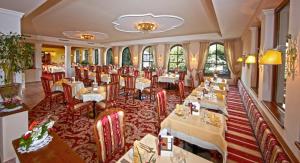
pixel 270 148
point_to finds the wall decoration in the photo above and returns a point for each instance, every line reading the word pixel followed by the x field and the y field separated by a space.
pixel 147 23
pixel 292 56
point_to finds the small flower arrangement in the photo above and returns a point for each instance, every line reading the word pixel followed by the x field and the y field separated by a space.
pixel 38 130
pixel 12 102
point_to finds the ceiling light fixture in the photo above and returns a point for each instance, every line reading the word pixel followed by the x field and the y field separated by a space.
pixel 87 37
pixel 146 26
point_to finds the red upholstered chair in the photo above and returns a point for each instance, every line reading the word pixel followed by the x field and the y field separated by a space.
pixel 109 134
pixel 130 87
pixel 181 75
pixel 153 88
pixel 78 76
pixel 98 78
pixel 114 78
pixel 86 80
pixel 98 69
pixel 181 90
pixel 161 105
pixel 56 76
pixel 192 82
pixel 49 95
pixel 120 71
pixel 147 74
pixel 112 93
pixel 73 105
pixel 136 73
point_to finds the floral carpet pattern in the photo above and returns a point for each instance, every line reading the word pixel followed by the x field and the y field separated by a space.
pixel 140 119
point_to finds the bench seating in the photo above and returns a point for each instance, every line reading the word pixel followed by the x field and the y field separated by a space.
pixel 270 148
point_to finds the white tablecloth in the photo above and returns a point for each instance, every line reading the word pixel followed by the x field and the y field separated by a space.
pixel 88 94
pixel 168 78
pixel 76 86
pixel 54 69
pixel 150 141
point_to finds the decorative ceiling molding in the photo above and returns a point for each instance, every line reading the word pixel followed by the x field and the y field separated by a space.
pixel 61 41
pixel 172 39
pixel 11 12
pixel 128 23
pixel 80 34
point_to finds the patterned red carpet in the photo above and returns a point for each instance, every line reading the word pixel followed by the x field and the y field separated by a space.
pixel 140 119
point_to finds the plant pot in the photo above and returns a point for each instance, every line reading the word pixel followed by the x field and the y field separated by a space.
pixel 10 90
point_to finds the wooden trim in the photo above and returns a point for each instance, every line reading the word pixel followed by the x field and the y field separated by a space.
pixel 297 144
pixel 279 137
pixel 276 23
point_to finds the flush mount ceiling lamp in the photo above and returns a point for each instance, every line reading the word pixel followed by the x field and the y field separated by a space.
pixel 146 26
pixel 147 23
pixel 85 35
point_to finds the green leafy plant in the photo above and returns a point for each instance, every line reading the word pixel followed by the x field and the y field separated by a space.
pixel 15 55
pixel 84 63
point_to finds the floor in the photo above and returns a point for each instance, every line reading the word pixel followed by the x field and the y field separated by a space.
pixel 33 94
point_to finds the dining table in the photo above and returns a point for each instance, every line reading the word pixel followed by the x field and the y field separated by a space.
pixel 179 154
pixel 76 86
pixel 168 78
pixel 205 129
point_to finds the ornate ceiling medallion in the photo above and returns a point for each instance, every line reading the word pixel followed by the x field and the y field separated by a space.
pixel 147 23
pixel 85 35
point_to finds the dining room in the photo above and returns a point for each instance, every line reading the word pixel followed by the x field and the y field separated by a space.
pixel 131 82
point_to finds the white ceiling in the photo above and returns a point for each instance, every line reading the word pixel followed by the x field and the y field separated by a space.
pixel 227 17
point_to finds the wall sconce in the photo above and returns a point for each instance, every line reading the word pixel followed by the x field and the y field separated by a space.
pixel 240 60
pixel 271 57
pixel 250 59
pixel 291 56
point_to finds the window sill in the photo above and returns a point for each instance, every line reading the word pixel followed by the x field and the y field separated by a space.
pixel 276 111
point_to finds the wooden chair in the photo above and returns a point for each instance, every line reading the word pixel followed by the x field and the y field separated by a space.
pixel 73 105
pixel 181 75
pixel 192 82
pixel 161 106
pixel 147 74
pixel 181 90
pixel 98 69
pixel 86 81
pixel 136 73
pixel 58 76
pixel 130 87
pixel 98 78
pixel 153 88
pixel 109 134
pixel 112 92
pixel 114 78
pixel 78 76
pixel 49 95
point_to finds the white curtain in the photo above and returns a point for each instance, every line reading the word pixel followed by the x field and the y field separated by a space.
pixel 203 50
pixel 156 56
pixel 140 51
pixel 166 56
pixel 185 47
pixel 233 50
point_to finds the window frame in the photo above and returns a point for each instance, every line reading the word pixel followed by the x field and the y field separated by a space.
pixel 96 56
pixel 109 57
pixel 150 54
pixel 177 54
pixel 130 60
pixel 216 63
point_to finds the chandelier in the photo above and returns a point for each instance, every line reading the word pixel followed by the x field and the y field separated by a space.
pixel 87 37
pixel 146 26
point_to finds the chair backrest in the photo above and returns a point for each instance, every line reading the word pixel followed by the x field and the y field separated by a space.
pixel 136 73
pixel 114 77
pixel 120 71
pixel 200 76
pixel 98 77
pixel 91 68
pixel 46 86
pixel 112 91
pixel 56 76
pixel 109 133
pixel 161 102
pixel 147 74
pixel 181 75
pixel 181 90
pixel 192 82
pixel 130 82
pixel 68 95
pixel 86 74
pixel 154 81
pixel 78 74
pixel 98 69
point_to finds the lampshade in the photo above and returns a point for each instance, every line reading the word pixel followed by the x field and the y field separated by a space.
pixel 240 59
pixel 250 59
pixel 271 57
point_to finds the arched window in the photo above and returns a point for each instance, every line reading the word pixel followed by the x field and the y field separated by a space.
pixel 126 57
pixel 109 57
pixel 77 56
pixel 147 58
pixel 86 55
pixel 216 61
pixel 96 57
pixel 176 59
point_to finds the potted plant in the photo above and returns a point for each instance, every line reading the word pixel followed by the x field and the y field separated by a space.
pixel 15 56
